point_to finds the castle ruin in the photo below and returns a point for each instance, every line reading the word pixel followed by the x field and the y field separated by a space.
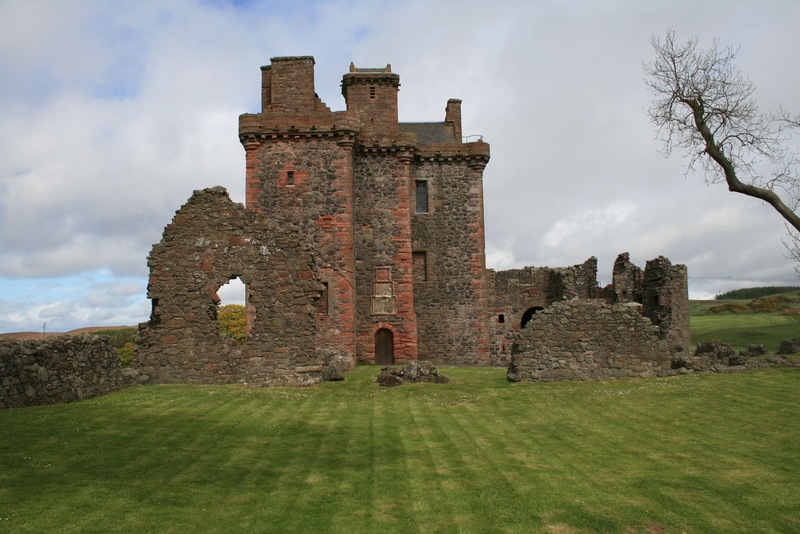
pixel 362 241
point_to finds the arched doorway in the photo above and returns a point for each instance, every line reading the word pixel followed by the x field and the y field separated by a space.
pixel 384 347
pixel 529 313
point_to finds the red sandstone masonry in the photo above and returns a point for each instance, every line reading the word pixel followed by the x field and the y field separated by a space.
pixel 210 241
pixel 370 225
pixel 335 195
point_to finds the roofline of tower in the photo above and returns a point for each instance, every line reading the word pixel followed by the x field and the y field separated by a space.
pixel 291 58
pixel 387 68
pixel 370 77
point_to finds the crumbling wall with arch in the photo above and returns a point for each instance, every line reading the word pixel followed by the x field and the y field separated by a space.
pixel 517 294
pixel 658 293
pixel 589 339
pixel 210 241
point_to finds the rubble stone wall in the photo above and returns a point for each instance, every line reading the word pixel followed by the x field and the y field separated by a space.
pixel 305 182
pixel 626 280
pixel 59 369
pixel 588 340
pixel 514 292
pixel 450 278
pixel 383 256
pixel 665 301
pixel 210 241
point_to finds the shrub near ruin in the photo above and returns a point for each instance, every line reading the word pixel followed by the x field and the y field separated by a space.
pixel 122 339
pixel 232 321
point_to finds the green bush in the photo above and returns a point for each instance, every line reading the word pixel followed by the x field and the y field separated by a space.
pixel 731 307
pixel 232 321
pixel 770 304
pixel 119 337
pixel 122 339
pixel 126 354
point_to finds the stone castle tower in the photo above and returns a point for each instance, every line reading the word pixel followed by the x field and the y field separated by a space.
pixel 362 241
pixel 393 211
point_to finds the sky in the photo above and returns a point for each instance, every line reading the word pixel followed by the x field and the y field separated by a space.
pixel 113 112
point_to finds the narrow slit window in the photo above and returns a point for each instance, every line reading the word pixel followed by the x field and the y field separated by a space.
pixel 323 304
pixel 422 197
pixel 290 178
pixel 420 266
pixel 501 318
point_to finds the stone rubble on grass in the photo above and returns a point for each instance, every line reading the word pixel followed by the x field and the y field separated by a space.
pixel 754 350
pixel 790 346
pixel 717 356
pixel 410 372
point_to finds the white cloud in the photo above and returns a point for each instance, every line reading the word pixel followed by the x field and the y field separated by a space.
pixel 112 113
pixel 232 293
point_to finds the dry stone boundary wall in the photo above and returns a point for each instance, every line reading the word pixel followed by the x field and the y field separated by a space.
pixel 58 370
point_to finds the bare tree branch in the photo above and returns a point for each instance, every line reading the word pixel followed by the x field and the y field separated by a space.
pixel 792 244
pixel 704 105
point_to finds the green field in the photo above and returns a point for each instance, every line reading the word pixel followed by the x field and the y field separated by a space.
pixel 701 453
pixel 746 327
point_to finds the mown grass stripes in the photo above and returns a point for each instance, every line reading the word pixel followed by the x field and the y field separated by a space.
pixel 703 453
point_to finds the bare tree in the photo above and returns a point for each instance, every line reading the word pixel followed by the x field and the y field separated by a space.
pixel 704 104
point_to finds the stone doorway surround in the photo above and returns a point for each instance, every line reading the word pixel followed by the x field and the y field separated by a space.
pixel 384 347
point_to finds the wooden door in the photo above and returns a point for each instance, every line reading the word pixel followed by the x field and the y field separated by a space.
pixel 384 347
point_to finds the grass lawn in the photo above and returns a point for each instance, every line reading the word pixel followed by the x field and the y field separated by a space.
pixel 704 453
pixel 745 328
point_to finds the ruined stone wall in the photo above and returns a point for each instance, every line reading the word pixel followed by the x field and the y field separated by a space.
pixel 450 280
pixel 520 289
pixel 626 280
pixel 665 300
pixel 60 369
pixel 305 181
pixel 384 279
pixel 210 241
pixel 514 292
pixel 589 340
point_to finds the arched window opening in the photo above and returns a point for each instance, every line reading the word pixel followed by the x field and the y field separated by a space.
pixel 232 313
pixel 528 315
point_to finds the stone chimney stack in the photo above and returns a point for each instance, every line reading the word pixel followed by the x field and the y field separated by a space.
pixel 453 116
pixel 287 85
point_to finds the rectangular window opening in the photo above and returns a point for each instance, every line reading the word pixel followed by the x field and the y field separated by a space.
pixel 419 262
pixel 290 178
pixel 421 197
pixel 372 92
pixel 323 304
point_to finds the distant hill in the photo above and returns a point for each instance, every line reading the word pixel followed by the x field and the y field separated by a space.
pixel 754 292
pixel 41 335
